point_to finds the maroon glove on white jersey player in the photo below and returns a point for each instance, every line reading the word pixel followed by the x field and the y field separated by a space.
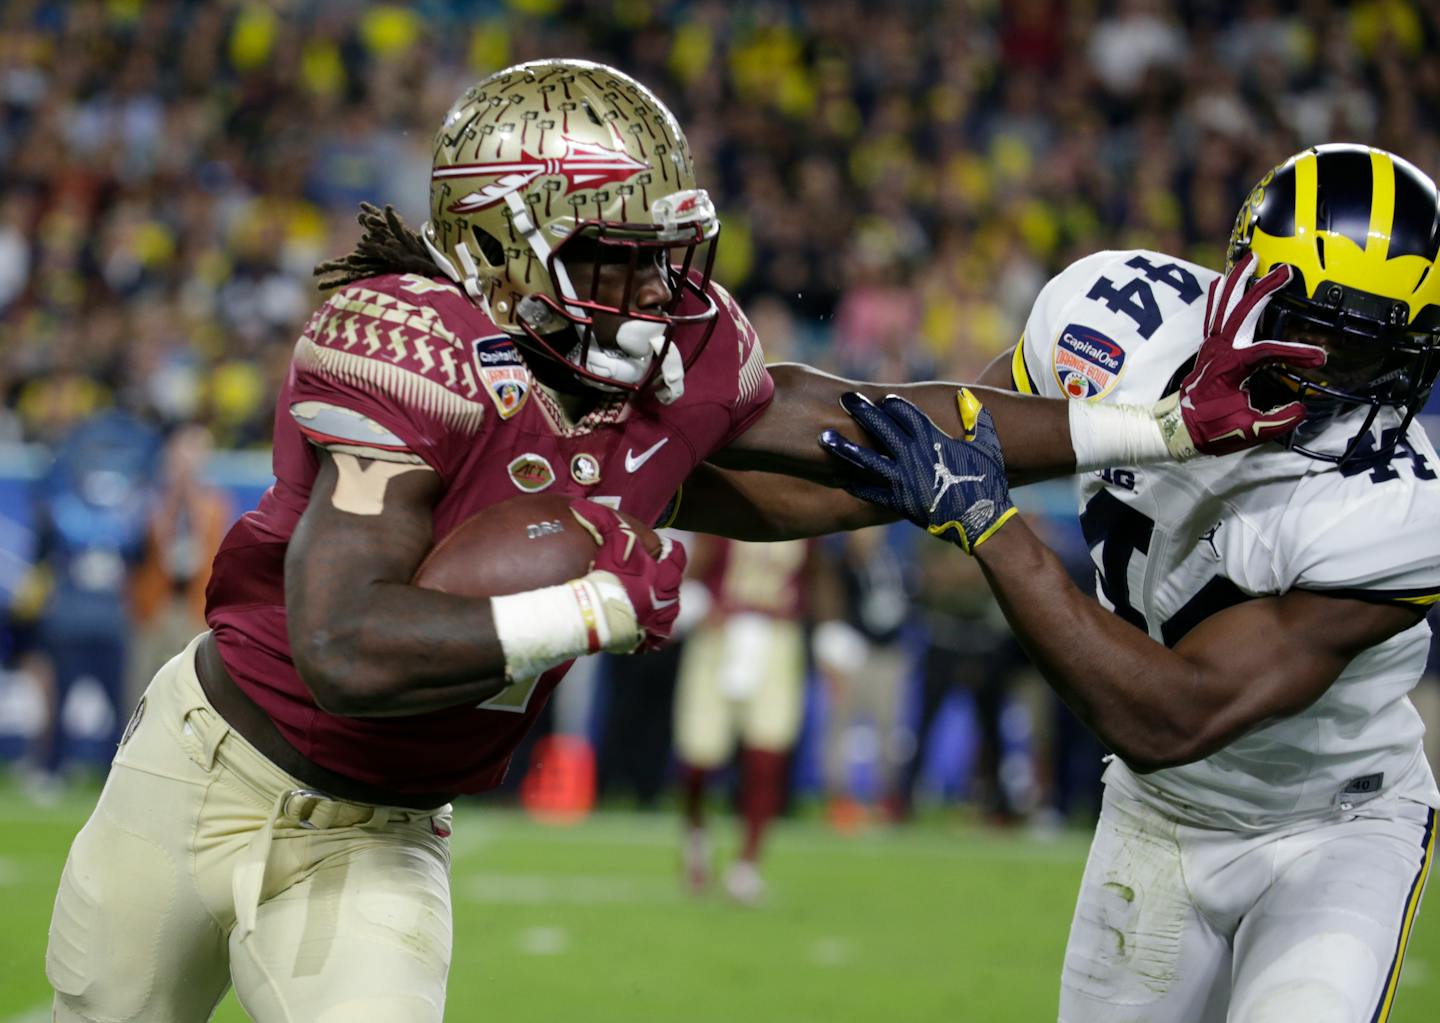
pixel 1215 403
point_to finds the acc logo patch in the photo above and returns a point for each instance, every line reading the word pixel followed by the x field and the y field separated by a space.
pixel 502 373
pixel 1086 362
pixel 531 472
pixel 585 469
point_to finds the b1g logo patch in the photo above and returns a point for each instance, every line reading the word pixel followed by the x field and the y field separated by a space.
pixel 1087 363
pixel 531 472
pixel 503 374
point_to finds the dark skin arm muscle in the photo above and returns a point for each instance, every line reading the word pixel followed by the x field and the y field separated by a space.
pixel 1156 707
pixel 366 642
pixel 1034 431
pixel 764 505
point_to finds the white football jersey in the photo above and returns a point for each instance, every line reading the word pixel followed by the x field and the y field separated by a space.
pixel 1174 544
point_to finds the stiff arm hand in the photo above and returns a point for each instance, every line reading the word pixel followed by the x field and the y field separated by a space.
pixel 954 487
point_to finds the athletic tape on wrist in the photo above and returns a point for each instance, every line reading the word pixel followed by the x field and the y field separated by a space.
pixel 539 629
pixel 1109 435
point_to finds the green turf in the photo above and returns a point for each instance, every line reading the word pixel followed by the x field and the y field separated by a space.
pixel 938 922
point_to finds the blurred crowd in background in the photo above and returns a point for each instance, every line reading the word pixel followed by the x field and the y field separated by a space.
pixel 896 181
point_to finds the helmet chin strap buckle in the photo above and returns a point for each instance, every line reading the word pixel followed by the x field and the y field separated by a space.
pixel 640 342
pixel 468 278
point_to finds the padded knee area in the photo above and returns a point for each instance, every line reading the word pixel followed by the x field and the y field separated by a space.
pixel 1314 1001
pixel 103 963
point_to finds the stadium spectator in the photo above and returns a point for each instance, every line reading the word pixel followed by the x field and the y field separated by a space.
pixel 91 508
pixel 188 518
pixel 864 663
pixel 967 647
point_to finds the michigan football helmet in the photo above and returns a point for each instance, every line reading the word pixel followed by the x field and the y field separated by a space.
pixel 1361 228
pixel 558 160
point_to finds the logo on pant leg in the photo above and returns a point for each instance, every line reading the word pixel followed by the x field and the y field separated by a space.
pixel 133 723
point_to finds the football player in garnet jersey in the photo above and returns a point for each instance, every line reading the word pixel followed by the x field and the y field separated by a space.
pixel 277 814
pixel 1269 817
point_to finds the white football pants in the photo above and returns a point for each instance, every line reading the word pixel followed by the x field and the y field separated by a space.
pixel 1180 924
pixel 205 862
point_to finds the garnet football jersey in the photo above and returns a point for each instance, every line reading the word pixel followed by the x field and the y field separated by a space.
pixel 1174 544
pixel 431 379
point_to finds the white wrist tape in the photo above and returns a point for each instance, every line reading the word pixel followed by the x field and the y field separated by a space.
pixel 539 629
pixel 1110 435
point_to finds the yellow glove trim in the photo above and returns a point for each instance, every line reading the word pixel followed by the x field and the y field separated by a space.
pixel 965 544
pixel 1019 373
pixel 970 409
pixel 1010 513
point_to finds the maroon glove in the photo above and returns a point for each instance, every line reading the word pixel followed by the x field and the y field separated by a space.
pixel 650 584
pixel 1214 401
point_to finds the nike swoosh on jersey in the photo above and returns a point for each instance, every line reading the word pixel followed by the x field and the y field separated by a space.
pixel 634 461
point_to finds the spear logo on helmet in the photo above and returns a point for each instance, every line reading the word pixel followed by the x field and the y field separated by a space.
pixel 584 165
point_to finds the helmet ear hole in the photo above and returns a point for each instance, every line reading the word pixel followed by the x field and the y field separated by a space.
pixel 489 247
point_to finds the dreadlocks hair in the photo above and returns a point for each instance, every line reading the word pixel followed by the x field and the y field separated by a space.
pixel 388 246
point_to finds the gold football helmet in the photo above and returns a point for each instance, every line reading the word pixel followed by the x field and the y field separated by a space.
pixel 558 159
pixel 1361 228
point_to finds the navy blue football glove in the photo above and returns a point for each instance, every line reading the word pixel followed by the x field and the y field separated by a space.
pixel 922 473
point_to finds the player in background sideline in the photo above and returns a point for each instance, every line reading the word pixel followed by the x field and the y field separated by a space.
pixel 741 679
pixel 277 813
pixel 1269 819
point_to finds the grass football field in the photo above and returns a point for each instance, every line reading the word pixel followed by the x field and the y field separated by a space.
pixel 941 921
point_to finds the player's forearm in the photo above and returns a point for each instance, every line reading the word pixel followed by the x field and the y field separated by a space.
pixel 393 649
pixel 1147 703
pixel 763 506
pixel 1035 431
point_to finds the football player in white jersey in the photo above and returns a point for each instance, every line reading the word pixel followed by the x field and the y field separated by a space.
pixel 1269 818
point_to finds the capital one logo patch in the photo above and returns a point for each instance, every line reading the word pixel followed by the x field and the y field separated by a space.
pixel 503 373
pixel 1086 362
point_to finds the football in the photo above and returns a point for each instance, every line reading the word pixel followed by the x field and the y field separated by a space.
pixel 528 541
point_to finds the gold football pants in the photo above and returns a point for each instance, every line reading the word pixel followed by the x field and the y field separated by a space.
pixel 204 863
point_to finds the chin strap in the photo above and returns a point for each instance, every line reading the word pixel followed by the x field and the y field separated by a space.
pixel 469 279
pixel 640 342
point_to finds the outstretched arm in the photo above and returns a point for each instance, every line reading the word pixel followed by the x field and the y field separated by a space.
pixel 1155 707
pixel 1211 414
pixel 767 506
pixel 1036 431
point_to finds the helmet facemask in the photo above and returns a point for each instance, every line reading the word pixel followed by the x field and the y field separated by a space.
pixel 1379 372
pixel 620 345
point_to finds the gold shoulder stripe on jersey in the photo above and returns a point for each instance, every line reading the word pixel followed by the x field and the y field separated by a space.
pixel 752 374
pixel 1019 374
pixel 405 385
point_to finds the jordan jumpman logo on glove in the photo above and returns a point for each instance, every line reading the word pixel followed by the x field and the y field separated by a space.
pixel 920 472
